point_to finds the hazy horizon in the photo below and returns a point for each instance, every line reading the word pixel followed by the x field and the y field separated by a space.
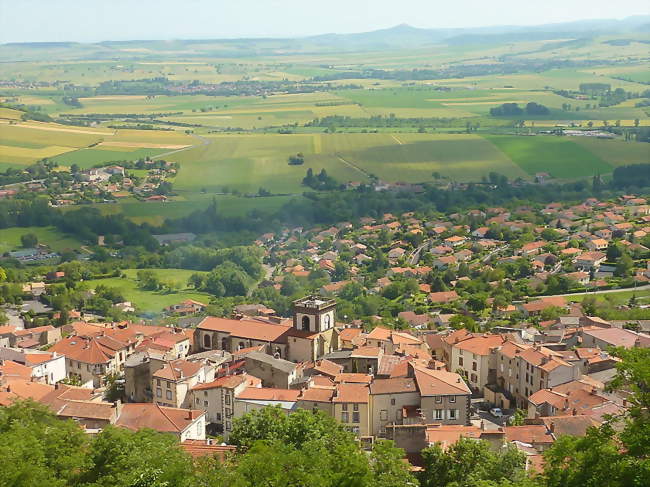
pixel 82 21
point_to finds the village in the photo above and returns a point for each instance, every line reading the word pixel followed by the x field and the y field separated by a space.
pixel 481 340
pixel 145 179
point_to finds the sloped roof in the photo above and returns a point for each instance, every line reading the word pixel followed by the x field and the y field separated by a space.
pixel 136 416
pixel 254 330
pixel 268 394
pixel 352 393
pixel 393 386
pixel 439 382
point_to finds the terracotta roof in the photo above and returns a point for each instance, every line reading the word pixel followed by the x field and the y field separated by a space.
pixel 529 433
pixel 84 350
pixel 38 358
pixel 25 389
pixel 13 370
pixel 228 381
pixel 379 333
pixel 178 369
pixel 618 337
pixel 254 330
pixel 392 386
pixel 347 334
pixel 327 367
pixel 366 352
pixel 136 416
pixel 480 344
pixel 352 393
pixel 448 434
pixel 86 409
pixel 443 296
pixel 353 378
pixel 207 448
pixel 316 394
pixel 569 425
pixel 439 382
pixel 268 394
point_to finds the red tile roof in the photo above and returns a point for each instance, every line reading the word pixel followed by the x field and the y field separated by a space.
pixel 253 330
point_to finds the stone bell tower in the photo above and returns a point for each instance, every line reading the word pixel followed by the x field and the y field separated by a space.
pixel 314 313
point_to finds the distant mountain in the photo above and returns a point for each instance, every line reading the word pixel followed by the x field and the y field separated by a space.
pixel 402 36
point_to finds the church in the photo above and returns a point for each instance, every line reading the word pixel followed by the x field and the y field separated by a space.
pixel 311 334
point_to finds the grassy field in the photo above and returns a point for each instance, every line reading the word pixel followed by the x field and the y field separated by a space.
pixel 617 298
pixel 10 238
pixel 86 158
pixel 153 301
pixel 414 157
pixel 559 157
pixel 156 213
pixel 616 152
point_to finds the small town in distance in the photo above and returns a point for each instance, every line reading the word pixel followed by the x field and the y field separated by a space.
pixel 238 252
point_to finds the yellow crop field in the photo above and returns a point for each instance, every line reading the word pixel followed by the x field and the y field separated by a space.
pixel 10 114
pixel 7 151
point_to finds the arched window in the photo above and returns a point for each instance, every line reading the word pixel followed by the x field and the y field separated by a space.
pixel 305 322
pixel 207 343
pixel 327 322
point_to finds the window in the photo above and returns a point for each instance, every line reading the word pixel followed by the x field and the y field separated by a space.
pixel 383 415
pixel 453 413
pixel 158 392
pixel 169 384
pixel 438 414
pixel 460 361
pixel 168 394
pixel 219 417
pixel 305 323
pixel 197 400
pixel 392 401
pixel 205 393
pixel 157 382
pixel 344 406
pixel 452 398
pixel 78 365
pixel 473 378
pixel 228 399
pixel 355 417
pixel 344 417
pixel 355 430
pixel 438 399
pixel 228 413
pixel 205 404
pixel 206 341
pixel 474 366
pixel 355 407
pixel 227 425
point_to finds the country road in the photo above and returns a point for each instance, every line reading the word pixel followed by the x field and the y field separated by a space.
pixel 203 141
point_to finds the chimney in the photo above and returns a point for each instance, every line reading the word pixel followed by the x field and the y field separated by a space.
pixel 118 408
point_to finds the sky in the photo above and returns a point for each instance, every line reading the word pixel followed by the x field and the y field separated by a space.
pixel 99 20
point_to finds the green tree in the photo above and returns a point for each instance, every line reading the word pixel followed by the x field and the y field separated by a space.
pixel 37 448
pixel 28 240
pixel 122 457
pixel 388 467
pixel 468 462
pixel 624 266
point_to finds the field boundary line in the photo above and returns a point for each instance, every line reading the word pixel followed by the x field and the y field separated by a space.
pixel 353 166
pixel 397 140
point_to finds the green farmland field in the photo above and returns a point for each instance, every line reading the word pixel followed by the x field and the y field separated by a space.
pixel 153 301
pixel 86 158
pixel 10 238
pixel 559 157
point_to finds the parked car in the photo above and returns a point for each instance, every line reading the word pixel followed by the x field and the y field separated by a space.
pixel 496 412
